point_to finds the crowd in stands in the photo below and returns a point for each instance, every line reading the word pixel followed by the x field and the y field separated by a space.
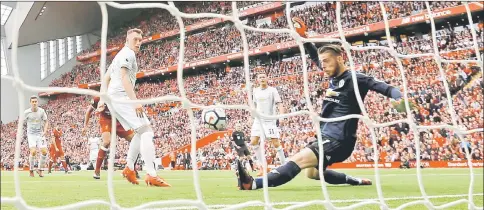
pixel 226 86
pixel 226 39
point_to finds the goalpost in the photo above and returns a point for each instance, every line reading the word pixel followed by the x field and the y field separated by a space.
pixel 20 203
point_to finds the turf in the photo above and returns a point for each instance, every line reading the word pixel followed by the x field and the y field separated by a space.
pixel 219 188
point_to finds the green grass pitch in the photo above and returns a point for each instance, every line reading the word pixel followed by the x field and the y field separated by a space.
pixel 219 189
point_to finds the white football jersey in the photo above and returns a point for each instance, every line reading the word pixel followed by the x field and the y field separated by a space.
pixel 94 143
pixel 35 120
pixel 266 100
pixel 125 58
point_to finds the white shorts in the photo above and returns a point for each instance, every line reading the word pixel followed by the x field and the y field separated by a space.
pixel 126 115
pixel 93 155
pixel 36 141
pixel 270 129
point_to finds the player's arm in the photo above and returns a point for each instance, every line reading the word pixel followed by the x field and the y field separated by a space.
pixel 87 117
pixel 128 87
pixel 379 86
pixel 312 50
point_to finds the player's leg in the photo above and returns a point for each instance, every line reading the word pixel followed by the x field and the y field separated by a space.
pixel 255 134
pixel 32 141
pixel 43 155
pixel 33 153
pixel 106 136
pixel 280 152
pixel 246 152
pixel 105 127
pixel 51 159
pixel 129 119
pixel 62 158
pixel 282 174
pixel 272 132
pixel 334 151
pixel 134 148
pixel 147 150
pixel 334 177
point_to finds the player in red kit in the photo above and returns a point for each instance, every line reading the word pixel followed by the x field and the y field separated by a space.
pixel 105 124
pixel 56 150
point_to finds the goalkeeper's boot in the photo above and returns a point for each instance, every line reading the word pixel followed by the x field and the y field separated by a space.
pixel 40 173
pixel 358 181
pixel 32 173
pixel 245 180
pixel 97 175
pixel 156 181
pixel 130 175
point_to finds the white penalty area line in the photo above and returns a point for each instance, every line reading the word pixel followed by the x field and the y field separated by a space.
pixel 332 201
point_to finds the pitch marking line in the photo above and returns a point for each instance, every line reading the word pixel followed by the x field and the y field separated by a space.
pixel 334 201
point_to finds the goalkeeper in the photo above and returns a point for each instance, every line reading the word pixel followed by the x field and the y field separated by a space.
pixel 338 138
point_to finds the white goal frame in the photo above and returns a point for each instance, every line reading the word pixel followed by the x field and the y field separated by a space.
pixel 20 203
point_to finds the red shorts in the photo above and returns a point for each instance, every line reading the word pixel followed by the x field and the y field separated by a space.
pixel 55 154
pixel 105 123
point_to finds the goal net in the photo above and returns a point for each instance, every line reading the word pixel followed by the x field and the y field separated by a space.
pixel 199 203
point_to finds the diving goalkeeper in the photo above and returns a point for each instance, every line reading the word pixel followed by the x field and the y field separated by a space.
pixel 338 138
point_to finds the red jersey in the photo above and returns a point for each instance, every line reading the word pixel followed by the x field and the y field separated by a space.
pixel 94 103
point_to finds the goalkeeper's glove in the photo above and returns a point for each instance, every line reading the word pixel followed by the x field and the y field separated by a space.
pixel 300 26
pixel 399 105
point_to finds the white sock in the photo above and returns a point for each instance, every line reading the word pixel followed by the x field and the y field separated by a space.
pixel 281 155
pixel 42 161
pixel 31 162
pixel 133 151
pixel 147 149
pixel 258 154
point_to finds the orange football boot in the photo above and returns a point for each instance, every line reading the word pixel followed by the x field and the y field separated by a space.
pixel 156 181
pixel 130 175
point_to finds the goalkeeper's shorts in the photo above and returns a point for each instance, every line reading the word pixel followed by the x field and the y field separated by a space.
pixel 334 151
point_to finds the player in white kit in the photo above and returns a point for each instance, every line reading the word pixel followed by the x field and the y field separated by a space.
pixel 93 149
pixel 36 119
pixel 120 79
pixel 266 98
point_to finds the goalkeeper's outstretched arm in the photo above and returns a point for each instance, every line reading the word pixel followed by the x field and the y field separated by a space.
pixel 301 29
pixel 379 86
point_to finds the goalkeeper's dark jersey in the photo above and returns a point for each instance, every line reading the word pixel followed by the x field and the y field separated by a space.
pixel 238 137
pixel 340 100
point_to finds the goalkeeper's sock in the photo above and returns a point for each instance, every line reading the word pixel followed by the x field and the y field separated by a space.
pixel 279 176
pixel 43 158
pixel 133 151
pixel 31 162
pixel 100 158
pixel 280 154
pixel 333 177
pixel 147 149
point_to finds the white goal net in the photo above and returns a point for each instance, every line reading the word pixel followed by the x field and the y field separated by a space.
pixel 199 203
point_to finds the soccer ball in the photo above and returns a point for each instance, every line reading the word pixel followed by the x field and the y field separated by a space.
pixel 214 119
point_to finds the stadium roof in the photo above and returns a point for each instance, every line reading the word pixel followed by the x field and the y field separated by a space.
pixel 6 11
pixel 52 20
